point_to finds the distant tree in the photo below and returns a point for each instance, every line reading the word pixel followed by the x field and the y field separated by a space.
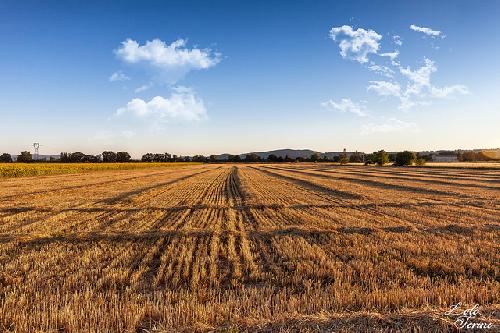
pixel 380 157
pixel 77 157
pixel 288 159
pixel 336 158
pixel 404 158
pixel 64 158
pixel 212 158
pixel 369 159
pixel 425 157
pixel 472 156
pixel 252 157
pixel 343 159
pixel 148 157
pixel 122 156
pixel 5 158
pixel 108 156
pixel 234 158
pixel 199 158
pixel 420 161
pixel 159 158
pixel 25 157
pixel 91 158
pixel 272 158
pixel 356 158
pixel 315 157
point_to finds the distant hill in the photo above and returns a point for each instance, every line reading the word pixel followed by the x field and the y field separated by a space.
pixel 292 153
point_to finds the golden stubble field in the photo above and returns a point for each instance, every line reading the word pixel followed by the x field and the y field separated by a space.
pixel 285 247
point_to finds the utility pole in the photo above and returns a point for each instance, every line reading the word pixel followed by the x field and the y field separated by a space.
pixel 36 145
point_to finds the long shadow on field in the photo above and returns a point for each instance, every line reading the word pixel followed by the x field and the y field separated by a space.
pixel 247 207
pixel 397 176
pixel 372 183
pixel 310 185
pixel 128 195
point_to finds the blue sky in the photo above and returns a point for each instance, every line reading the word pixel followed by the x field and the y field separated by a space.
pixel 203 77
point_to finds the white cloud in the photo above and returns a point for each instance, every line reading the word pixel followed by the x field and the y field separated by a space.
pixel 422 76
pixel 356 44
pixel 457 89
pixel 390 55
pixel 428 31
pixel 411 86
pixel 142 88
pixel 389 126
pixel 181 105
pixel 383 70
pixel 174 56
pixel 397 40
pixel 345 105
pixel 384 88
pixel 118 76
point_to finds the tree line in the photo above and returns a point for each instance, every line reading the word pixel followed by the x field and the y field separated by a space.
pixel 380 157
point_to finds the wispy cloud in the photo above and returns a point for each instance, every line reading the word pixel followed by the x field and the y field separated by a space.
pixel 385 88
pixel 383 70
pixel 390 55
pixel 390 125
pixel 457 89
pixel 118 76
pixel 427 31
pixel 346 105
pixel 142 88
pixel 182 105
pixel 356 44
pixel 397 40
pixel 419 87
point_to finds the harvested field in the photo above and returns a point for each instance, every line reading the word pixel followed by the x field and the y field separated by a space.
pixel 219 247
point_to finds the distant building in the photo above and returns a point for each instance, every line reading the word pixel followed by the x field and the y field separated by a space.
pixel 40 157
pixel 444 158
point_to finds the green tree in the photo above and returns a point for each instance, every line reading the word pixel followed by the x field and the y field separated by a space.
pixel 380 157
pixel 272 158
pixel 108 156
pixel 234 158
pixel 123 156
pixel 5 158
pixel 404 158
pixel 147 157
pixel 25 157
pixel 252 157
pixel 315 157
pixel 199 158
pixel 77 157
pixel 420 161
